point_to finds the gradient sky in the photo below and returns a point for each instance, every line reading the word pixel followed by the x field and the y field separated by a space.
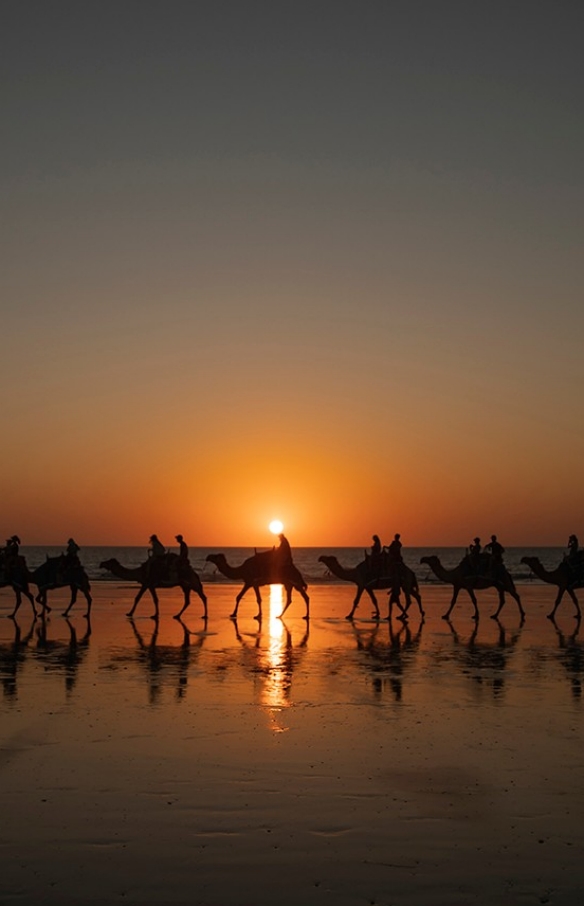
pixel 314 261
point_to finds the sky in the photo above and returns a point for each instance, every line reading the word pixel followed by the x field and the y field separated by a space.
pixel 319 262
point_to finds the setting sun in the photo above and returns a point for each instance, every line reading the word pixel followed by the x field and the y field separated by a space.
pixel 276 527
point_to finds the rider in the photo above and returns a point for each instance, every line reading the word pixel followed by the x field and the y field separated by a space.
pixel 183 555
pixel 496 551
pixel 395 549
pixel 394 552
pixel 156 557
pixel 474 554
pixel 183 550
pixel 574 558
pixel 375 556
pixel 11 555
pixel 284 551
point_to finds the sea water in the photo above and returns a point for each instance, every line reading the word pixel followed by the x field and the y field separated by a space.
pixel 305 558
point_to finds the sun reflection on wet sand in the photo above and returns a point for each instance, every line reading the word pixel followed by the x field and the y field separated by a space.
pixel 275 694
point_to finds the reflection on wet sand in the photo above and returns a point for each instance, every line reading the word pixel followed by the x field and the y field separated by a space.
pixel 571 657
pixel 62 656
pixel 388 654
pixel 12 656
pixel 157 661
pixel 415 758
pixel 270 658
pixel 485 663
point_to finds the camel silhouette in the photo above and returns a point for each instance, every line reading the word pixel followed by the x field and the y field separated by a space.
pixel 461 578
pixel 263 568
pixel 17 578
pixel 362 576
pixel 168 573
pixel 562 576
pixel 55 572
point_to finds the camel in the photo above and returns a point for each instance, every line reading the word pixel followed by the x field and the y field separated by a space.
pixel 363 579
pixel 461 578
pixel 562 576
pixel 166 574
pixel 263 568
pixel 55 572
pixel 16 578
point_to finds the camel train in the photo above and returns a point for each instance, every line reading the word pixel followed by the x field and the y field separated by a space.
pixel 275 566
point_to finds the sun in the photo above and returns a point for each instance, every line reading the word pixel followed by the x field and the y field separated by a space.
pixel 276 527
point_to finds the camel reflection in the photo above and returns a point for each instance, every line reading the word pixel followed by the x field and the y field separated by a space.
pixel 12 656
pixel 59 656
pixel 485 663
pixel 571 657
pixel 387 659
pixel 272 665
pixel 158 660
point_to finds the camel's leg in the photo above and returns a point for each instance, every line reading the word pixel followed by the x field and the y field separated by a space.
pixel 141 592
pixel 203 598
pixel 154 596
pixel 89 600
pixel 288 600
pixel 360 590
pixel 473 598
pixel 559 597
pixel 394 599
pixel 187 597
pixel 258 615
pixel 233 616
pixel 446 616
pixel 301 592
pixel 404 610
pixel 18 603
pixel 416 594
pixel 72 601
pixel 41 599
pixel 495 615
pixel 576 604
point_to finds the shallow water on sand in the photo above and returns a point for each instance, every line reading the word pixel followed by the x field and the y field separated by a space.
pixel 219 763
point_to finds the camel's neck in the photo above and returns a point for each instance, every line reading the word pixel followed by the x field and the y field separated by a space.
pixel 124 572
pixel 341 572
pixel 232 572
pixel 440 571
pixel 540 571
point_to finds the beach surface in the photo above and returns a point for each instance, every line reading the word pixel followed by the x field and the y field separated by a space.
pixel 292 762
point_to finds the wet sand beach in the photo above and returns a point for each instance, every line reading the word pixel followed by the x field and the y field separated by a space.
pixel 223 764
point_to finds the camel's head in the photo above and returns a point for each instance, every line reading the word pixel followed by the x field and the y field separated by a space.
pixel 428 560
pixel 107 564
pixel 214 558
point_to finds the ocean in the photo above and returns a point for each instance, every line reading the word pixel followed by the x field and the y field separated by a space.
pixel 305 558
